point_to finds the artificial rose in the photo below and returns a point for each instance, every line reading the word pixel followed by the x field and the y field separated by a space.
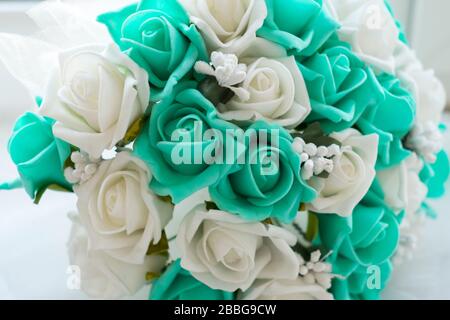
pixel 101 276
pixel 296 289
pixel 402 187
pixel 351 178
pixel 277 91
pixel 175 146
pixel 428 91
pixel 340 85
pixel 177 283
pixel 299 26
pixel 391 120
pixel 95 95
pixel 227 26
pixel 366 240
pixel 158 35
pixel 228 253
pixel 122 216
pixel 362 283
pixel 268 184
pixel 38 155
pixel 370 29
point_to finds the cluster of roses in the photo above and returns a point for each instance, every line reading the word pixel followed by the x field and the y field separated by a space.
pixel 359 147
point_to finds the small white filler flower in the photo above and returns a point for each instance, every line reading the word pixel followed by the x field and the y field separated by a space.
pixel 84 168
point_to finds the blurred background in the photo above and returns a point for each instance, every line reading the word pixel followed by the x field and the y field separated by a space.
pixel 33 260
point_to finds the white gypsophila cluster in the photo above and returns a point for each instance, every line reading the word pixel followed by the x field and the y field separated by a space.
pixel 84 168
pixel 316 271
pixel 426 140
pixel 315 159
pixel 227 70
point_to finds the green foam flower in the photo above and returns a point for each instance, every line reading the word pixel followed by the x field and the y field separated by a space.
pixel 368 238
pixel 301 26
pixel 177 283
pixel 38 155
pixel 435 175
pixel 391 120
pixel 176 146
pixel 341 87
pixel 268 184
pixel 158 35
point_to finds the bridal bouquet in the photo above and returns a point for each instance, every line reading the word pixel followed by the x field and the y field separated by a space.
pixel 238 149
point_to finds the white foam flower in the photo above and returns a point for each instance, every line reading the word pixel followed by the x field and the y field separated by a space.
pixel 122 216
pixel 297 289
pixel 228 253
pixel 402 186
pixel 426 140
pixel 95 94
pixel 427 89
pixel 352 175
pixel 277 90
pixel 370 29
pixel 102 276
pixel 227 26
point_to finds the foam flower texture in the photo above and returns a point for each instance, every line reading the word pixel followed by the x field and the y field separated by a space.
pixel 299 26
pixel 368 238
pixel 297 289
pixel 158 35
pixel 351 178
pixel 276 89
pixel 274 188
pixel 370 29
pixel 95 95
pixel 123 217
pixel 403 190
pixel 227 26
pixel 101 275
pixel 228 253
pixel 38 155
pixel 340 86
pixel 174 126
pixel 177 283
pixel 392 119
pixel 427 89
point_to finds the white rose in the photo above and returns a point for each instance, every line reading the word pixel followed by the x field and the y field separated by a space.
pixel 296 289
pixel 95 95
pixel 228 253
pixel 370 29
pixel 100 275
pixel 227 26
pixel 402 186
pixel 352 175
pixel 122 216
pixel 276 88
pixel 427 89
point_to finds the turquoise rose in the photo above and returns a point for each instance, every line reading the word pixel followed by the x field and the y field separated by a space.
pixel 176 146
pixel 341 87
pixel 435 175
pixel 177 283
pixel 302 26
pixel 268 184
pixel 158 35
pixel 368 238
pixel 391 120
pixel 38 155
pixel 361 283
